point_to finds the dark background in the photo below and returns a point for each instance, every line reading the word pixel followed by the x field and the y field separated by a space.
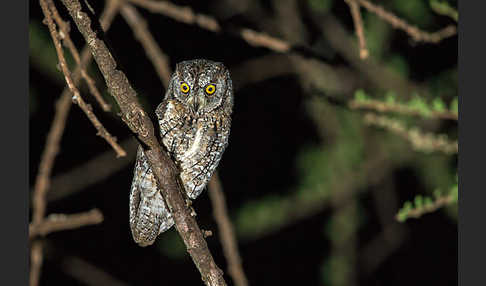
pixel 274 137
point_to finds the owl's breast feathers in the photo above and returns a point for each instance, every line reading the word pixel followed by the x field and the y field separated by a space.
pixel 196 143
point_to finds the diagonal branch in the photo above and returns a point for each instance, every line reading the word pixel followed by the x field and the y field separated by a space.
pixel 51 149
pixel 138 121
pixel 87 109
pixel 413 31
pixel 36 258
pixel 226 232
pixel 64 34
pixel 153 51
pixel 188 16
pixel 358 26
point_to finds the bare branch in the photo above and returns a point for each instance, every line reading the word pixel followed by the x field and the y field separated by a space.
pixel 76 95
pixel 358 26
pixel 57 222
pixel 188 16
pixel 164 169
pixel 226 232
pixel 414 32
pixel 64 35
pixel 36 257
pixel 42 181
pixel 182 14
pixel 51 149
pixel 141 32
pixel 63 106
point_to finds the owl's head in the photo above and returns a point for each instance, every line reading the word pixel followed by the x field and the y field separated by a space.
pixel 202 86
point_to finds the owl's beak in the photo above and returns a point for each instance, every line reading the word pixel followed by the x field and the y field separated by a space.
pixel 198 102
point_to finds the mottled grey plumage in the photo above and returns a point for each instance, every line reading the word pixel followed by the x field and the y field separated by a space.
pixel 194 120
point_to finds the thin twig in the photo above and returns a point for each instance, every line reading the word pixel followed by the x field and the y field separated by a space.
pixel 139 122
pixel 51 149
pixel 413 31
pixel 64 35
pixel 226 232
pixel 187 15
pixel 57 222
pixel 153 51
pixel 42 181
pixel 421 141
pixel 380 106
pixel 36 258
pixel 87 109
pixel 358 26
pixel 63 106
pixel 182 14
pixel 374 71
pixel 429 208
pixel 443 8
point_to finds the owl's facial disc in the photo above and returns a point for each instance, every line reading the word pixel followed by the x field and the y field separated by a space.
pixel 205 85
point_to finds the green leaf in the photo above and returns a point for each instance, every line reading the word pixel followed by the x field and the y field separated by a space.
pixel 419 201
pixel 390 97
pixel 438 105
pixel 428 202
pixel 360 95
pixel 454 105
pixel 419 104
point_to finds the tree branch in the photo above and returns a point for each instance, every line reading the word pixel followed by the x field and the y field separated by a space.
pixel 421 141
pixel 380 106
pixel 76 94
pixel 226 232
pixel 51 149
pixel 358 26
pixel 153 51
pixel 64 35
pixel 188 16
pixel 162 166
pixel 57 222
pixel 414 32
pixel 36 257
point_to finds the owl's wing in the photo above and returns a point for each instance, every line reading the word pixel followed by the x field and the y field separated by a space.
pixel 149 214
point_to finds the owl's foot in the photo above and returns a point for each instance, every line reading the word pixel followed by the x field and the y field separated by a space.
pixel 188 202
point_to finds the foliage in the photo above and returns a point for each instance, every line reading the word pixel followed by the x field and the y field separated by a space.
pixel 416 105
pixel 443 8
pixel 425 204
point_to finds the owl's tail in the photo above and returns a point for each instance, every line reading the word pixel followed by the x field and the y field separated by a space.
pixel 152 218
pixel 149 214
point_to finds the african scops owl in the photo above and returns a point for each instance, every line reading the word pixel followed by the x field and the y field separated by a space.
pixel 194 120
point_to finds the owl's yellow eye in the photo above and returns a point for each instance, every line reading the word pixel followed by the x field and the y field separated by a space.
pixel 210 89
pixel 184 87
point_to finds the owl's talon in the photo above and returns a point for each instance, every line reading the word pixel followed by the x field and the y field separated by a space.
pixel 188 202
pixel 193 212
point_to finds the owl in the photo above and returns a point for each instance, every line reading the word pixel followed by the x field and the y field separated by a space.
pixel 194 120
